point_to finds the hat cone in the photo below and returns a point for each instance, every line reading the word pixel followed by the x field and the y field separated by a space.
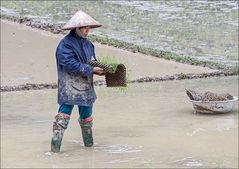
pixel 81 19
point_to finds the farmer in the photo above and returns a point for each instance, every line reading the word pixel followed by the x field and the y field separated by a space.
pixel 75 78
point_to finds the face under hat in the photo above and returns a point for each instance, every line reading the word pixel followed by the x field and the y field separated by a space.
pixel 81 19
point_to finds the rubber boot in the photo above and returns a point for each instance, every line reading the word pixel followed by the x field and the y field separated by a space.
pixel 59 126
pixel 86 129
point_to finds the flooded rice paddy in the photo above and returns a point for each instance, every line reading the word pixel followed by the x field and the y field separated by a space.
pixel 206 30
pixel 150 125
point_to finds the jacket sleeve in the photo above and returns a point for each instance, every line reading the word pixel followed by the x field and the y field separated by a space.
pixel 66 58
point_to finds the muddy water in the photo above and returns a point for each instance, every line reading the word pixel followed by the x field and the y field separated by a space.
pixel 207 30
pixel 149 125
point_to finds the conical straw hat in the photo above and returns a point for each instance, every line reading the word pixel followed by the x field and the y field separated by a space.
pixel 81 19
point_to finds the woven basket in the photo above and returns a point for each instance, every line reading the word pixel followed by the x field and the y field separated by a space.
pixel 118 78
pixel 113 79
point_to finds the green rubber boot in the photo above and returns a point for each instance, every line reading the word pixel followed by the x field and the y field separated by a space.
pixel 86 129
pixel 59 126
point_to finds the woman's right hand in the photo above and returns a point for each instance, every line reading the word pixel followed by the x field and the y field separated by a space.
pixel 99 71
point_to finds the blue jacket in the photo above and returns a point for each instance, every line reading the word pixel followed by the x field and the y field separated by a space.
pixel 75 76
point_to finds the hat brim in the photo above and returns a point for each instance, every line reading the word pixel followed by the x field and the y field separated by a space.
pixel 73 27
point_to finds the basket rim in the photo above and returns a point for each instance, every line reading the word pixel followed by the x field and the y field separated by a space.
pixel 226 101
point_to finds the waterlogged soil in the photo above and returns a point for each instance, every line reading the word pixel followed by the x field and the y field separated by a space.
pixel 28 56
pixel 206 30
pixel 149 125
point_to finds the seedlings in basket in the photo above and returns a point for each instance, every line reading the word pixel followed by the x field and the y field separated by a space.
pixel 118 77
pixel 109 60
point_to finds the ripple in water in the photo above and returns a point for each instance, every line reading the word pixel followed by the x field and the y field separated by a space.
pixel 118 149
pixel 189 162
